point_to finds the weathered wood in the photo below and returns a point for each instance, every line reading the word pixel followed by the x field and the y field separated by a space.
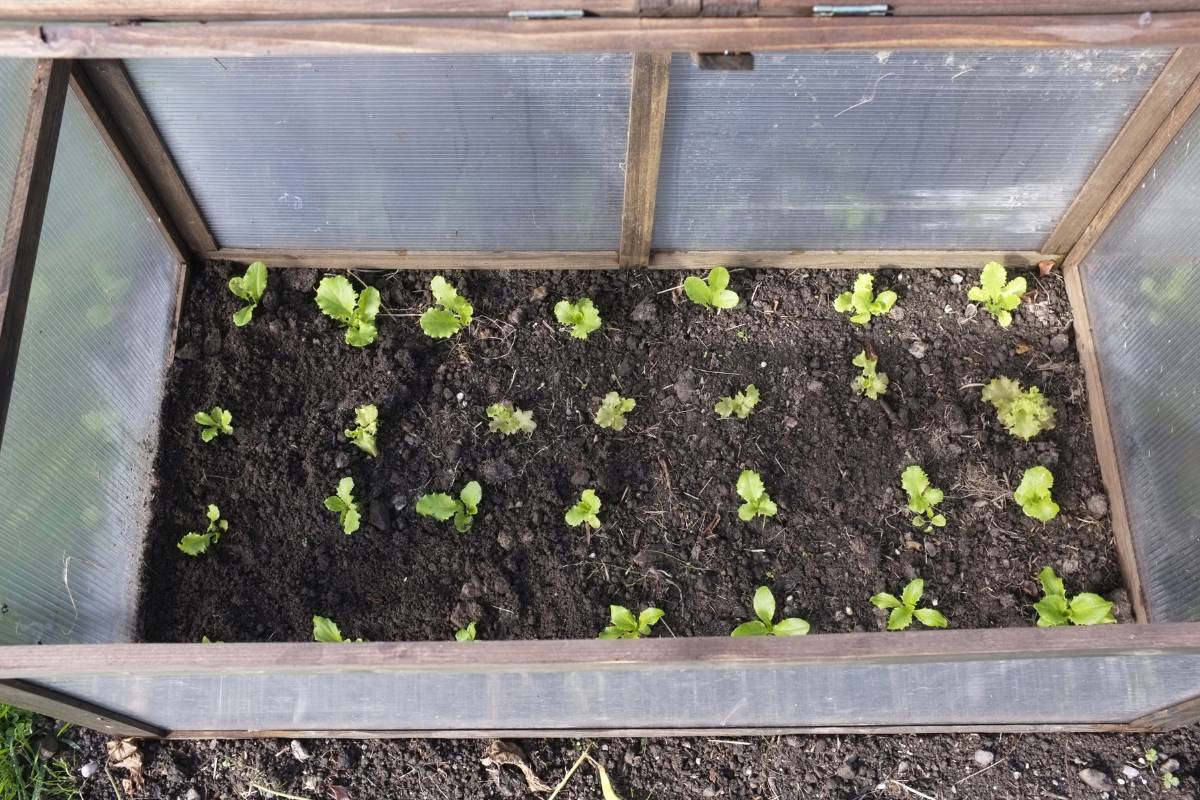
pixel 23 231
pixel 1159 101
pixel 422 259
pixel 844 259
pixel 1171 717
pixel 649 82
pixel 39 699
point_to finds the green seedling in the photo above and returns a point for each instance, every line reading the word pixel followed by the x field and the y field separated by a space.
pixel 904 608
pixel 871 383
pixel 997 294
pixel 587 510
pixel 326 630
pixel 1055 608
pixel 1169 781
pixel 1033 494
pixel 711 291
pixel 1024 414
pixel 466 634
pixel 922 498
pixel 356 310
pixel 582 316
pixel 612 411
pixel 363 435
pixel 442 506
pixel 344 505
pixel 758 503
pixel 626 626
pixel 741 404
pixel 214 422
pixel 1150 754
pixel 507 419
pixel 194 544
pixel 450 312
pixel 206 640
pixel 764 609
pixel 863 301
pixel 248 287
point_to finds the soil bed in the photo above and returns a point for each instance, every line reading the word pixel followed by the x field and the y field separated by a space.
pixel 671 536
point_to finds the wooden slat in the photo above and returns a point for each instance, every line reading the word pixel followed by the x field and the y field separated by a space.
pixel 1171 717
pixel 23 231
pixel 422 259
pixel 844 259
pixel 39 699
pixel 1159 101
pixel 596 34
pixel 649 82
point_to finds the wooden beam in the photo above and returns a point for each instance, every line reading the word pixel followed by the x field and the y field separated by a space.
pixel 53 704
pixel 1171 717
pixel 23 231
pixel 1159 102
pixel 845 259
pixel 420 259
pixel 649 81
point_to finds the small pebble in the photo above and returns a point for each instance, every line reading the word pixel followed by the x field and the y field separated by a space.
pixel 984 757
pixel 1097 506
pixel 1096 780
pixel 1170 765
pixel 192 794
pixel 956 278
pixel 917 349
pixel 1130 772
pixel 299 752
pixel 1059 343
pixel 89 769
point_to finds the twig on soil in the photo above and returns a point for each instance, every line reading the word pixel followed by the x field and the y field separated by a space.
pixel 578 763
pixel 113 784
pixel 911 790
pixel 258 787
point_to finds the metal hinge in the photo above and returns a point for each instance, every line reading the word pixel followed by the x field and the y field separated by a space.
pixel 872 10
pixel 547 14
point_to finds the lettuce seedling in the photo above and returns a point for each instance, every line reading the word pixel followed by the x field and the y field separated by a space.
pixel 466 634
pixel 922 497
pixel 1055 609
pixel 758 502
pixel 871 383
pixel 581 317
pixel 863 301
pixel 740 404
pixel 612 411
pixel 442 506
pixel 626 626
pixel 507 419
pixel 1023 414
pixel 193 544
pixel 363 436
pixel 248 287
pixel 1169 781
pixel 905 608
pixel 710 292
pixel 450 312
pixel 764 609
pixel 214 422
pixel 356 310
pixel 344 505
pixel 1033 494
pixel 326 630
pixel 587 510
pixel 997 294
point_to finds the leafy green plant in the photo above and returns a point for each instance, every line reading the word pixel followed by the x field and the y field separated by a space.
pixel 1033 494
pixel 626 626
pixel 757 502
pixel 904 608
pixel 344 505
pixel 922 498
pixel 863 301
pixel 356 310
pixel 214 422
pixel 326 630
pixel 612 411
pixel 363 435
pixel 711 291
pixel 450 312
pixel 997 294
pixel 764 609
pixel 582 316
pixel 248 287
pixel 507 419
pixel 1024 414
pixel 24 774
pixel 1055 608
pixel 741 404
pixel 193 544
pixel 1150 754
pixel 871 383
pixel 587 510
pixel 1169 781
pixel 442 506
pixel 466 634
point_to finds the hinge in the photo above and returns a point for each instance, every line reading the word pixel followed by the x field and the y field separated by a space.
pixel 871 10
pixel 547 14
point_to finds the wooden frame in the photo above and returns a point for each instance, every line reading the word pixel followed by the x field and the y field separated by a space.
pixel 648 84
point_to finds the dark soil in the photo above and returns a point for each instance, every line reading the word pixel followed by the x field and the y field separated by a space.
pixel 671 536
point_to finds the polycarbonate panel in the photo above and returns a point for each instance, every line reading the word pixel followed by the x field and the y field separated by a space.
pixel 1140 281
pixel 77 452
pixel 1061 690
pixel 472 152
pixel 905 149
pixel 16 81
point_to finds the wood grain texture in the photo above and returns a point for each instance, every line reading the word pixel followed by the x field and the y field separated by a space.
pixel 39 699
pixel 421 259
pixel 1171 717
pixel 1159 101
pixel 844 259
pixel 649 81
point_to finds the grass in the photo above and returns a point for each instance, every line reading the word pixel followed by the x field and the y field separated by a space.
pixel 23 775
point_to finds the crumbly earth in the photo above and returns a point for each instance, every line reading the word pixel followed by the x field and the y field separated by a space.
pixel 671 535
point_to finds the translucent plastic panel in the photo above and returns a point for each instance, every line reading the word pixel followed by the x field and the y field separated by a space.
pixel 83 421
pixel 445 152
pixel 889 149
pixel 1140 282
pixel 16 80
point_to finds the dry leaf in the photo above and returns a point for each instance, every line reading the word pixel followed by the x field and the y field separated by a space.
pixel 1022 348
pixel 340 792
pixel 124 754
pixel 500 753
pixel 1045 267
